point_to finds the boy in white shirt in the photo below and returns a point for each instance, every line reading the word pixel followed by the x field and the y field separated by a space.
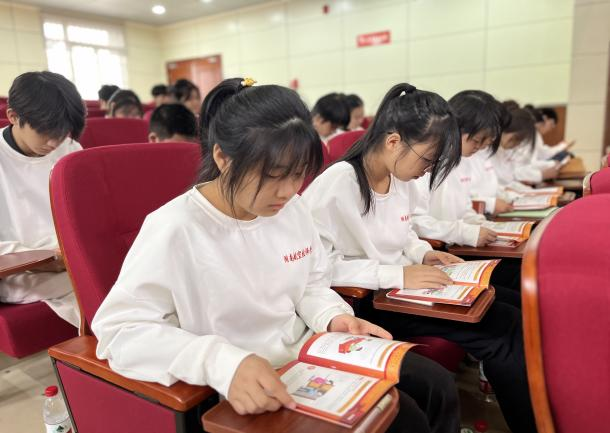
pixel 47 115
pixel 330 116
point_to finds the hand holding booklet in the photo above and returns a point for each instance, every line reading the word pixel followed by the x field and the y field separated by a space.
pixel 470 279
pixel 535 202
pixel 510 234
pixel 339 377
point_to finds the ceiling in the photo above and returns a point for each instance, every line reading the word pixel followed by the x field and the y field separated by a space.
pixel 140 10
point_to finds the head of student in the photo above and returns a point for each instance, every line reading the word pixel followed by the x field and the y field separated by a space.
pixel 44 109
pixel 537 115
pixel 355 106
pixel 159 94
pixel 258 144
pixel 330 113
pixel 413 132
pixel 520 129
pixel 480 119
pixel 187 93
pixel 125 104
pixel 172 122
pixel 105 93
pixel 550 117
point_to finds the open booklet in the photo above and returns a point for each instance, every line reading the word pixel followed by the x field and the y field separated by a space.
pixel 510 234
pixel 470 279
pixel 532 202
pixel 339 377
pixel 525 190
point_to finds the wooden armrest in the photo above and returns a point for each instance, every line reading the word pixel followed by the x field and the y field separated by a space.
pixel 478 206
pixel 15 263
pixel 586 185
pixel 80 352
pixel 352 292
pixel 435 243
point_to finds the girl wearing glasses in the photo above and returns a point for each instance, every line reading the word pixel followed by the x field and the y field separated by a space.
pixel 362 208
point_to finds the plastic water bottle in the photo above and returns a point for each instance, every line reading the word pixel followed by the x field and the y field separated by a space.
pixel 54 412
pixel 485 386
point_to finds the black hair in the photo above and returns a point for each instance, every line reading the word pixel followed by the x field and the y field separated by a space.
pixel 534 112
pixel 48 103
pixel 106 91
pixel 511 104
pixel 334 109
pixel 417 116
pixel 550 113
pixel 170 119
pixel 353 101
pixel 124 99
pixel 523 125
pixel 260 128
pixel 181 90
pixel 478 111
pixel 159 90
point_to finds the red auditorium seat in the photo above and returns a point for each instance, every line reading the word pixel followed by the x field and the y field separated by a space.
pixel 566 317
pixel 104 132
pixel 342 142
pixel 99 199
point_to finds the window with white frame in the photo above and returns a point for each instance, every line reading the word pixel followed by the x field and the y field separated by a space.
pixel 88 54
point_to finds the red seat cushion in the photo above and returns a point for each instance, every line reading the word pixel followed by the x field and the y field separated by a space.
pixel 600 182
pixel 574 301
pixel 30 328
pixel 103 132
pixel 342 142
pixel 446 353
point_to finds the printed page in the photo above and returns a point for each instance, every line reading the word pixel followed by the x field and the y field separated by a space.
pixel 454 294
pixel 505 241
pixel 510 229
pixel 551 190
pixel 361 354
pixel 534 202
pixel 330 394
pixel 474 272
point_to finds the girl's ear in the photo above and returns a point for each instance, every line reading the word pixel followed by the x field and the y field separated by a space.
pixel 12 116
pixel 392 142
pixel 221 159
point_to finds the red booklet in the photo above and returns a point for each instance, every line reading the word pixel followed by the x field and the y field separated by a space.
pixel 340 377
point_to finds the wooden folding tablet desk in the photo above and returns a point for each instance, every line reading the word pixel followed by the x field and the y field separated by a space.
pixel 223 419
pixel 472 314
pixel 15 263
pixel 489 252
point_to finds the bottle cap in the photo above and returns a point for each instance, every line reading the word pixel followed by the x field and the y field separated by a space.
pixel 50 391
pixel 481 426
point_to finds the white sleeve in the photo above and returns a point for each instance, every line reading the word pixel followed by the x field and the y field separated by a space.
pixel 528 173
pixel 490 202
pixel 7 247
pixel 320 304
pixel 138 327
pixel 427 226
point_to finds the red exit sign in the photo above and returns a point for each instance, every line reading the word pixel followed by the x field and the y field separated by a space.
pixel 371 39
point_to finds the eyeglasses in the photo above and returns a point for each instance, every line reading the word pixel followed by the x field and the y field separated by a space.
pixel 429 162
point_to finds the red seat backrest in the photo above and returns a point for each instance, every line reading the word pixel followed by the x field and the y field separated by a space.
pixel 573 275
pixel 342 142
pixel 104 132
pixel 4 123
pixel 366 122
pixel 95 112
pixel 100 198
pixel 600 181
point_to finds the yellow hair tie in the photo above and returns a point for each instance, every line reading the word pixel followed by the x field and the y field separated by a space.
pixel 248 82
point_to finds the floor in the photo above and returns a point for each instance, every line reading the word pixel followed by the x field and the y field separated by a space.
pixel 22 383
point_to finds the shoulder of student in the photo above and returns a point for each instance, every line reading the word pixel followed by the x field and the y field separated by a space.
pixel 338 180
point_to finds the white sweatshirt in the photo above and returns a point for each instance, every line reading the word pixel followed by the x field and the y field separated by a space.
pixel 516 165
pixel 365 251
pixel 446 213
pixel 484 183
pixel 544 152
pixel 26 222
pixel 199 291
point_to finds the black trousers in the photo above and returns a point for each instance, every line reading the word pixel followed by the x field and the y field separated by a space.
pixel 497 341
pixel 428 398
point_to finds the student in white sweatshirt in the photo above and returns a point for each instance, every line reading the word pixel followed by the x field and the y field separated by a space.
pixel 362 207
pixel 47 115
pixel 330 116
pixel 227 281
pixel 513 160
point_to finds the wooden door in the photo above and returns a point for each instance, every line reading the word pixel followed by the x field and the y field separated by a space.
pixel 205 72
pixel 557 135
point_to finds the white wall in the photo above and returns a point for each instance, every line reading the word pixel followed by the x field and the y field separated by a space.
pixel 512 48
pixel 22 46
pixel 145 67
pixel 589 79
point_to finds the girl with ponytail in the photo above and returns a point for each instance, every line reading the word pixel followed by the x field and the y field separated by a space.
pixel 226 282
pixel 363 206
